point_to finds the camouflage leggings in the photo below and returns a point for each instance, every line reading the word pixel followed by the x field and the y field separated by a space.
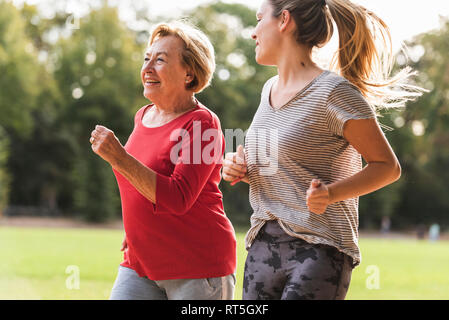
pixel 279 266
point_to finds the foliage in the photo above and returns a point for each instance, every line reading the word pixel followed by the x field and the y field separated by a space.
pixel 19 77
pixel 4 176
pixel 54 92
pixel 97 71
pixel 423 142
pixel 18 88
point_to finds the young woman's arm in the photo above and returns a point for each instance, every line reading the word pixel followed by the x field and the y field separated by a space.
pixel 382 168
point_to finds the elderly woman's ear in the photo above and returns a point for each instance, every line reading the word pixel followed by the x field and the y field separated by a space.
pixel 189 77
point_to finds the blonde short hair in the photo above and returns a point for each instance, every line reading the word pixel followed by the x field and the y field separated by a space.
pixel 198 53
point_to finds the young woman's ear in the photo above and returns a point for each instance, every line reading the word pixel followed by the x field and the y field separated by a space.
pixel 285 21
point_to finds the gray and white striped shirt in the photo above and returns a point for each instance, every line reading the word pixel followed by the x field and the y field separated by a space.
pixel 303 140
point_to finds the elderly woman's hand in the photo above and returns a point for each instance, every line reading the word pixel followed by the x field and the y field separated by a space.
pixel 234 166
pixel 106 145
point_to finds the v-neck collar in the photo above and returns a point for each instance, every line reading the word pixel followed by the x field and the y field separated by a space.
pixel 300 92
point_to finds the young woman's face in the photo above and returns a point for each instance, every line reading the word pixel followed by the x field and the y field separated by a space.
pixel 163 74
pixel 267 35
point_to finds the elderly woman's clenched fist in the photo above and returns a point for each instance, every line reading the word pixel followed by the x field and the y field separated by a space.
pixel 106 145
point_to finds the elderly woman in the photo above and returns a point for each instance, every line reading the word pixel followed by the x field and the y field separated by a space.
pixel 178 243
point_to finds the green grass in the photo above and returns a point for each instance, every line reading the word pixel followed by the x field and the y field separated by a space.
pixel 33 265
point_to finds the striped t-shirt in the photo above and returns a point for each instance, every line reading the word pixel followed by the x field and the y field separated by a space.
pixel 303 140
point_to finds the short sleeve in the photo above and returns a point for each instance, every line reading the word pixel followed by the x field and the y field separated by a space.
pixel 346 103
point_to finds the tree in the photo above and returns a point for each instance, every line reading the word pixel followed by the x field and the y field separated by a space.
pixel 49 105
pixel 39 160
pixel 18 88
pixel 98 74
pixel 424 138
pixel 19 78
pixel 4 176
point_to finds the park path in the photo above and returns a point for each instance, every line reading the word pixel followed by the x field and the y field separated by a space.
pixel 48 222
pixel 44 222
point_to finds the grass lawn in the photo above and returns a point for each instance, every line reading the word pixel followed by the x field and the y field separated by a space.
pixel 34 262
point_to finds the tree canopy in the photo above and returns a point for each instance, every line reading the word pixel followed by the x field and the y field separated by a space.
pixel 54 90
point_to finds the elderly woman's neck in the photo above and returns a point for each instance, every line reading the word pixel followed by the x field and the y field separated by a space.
pixel 175 105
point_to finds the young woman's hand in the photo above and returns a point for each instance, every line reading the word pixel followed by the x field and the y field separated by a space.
pixel 318 198
pixel 234 167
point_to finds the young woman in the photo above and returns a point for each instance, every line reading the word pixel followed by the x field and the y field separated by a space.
pixel 303 240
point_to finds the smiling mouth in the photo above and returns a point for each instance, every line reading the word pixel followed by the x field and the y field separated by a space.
pixel 151 82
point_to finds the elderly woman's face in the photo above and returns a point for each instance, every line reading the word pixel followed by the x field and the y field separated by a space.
pixel 163 74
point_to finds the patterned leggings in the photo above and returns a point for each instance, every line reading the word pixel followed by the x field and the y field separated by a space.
pixel 279 266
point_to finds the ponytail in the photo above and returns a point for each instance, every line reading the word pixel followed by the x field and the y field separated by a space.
pixel 365 56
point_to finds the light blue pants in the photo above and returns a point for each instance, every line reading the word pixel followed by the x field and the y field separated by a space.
pixel 129 286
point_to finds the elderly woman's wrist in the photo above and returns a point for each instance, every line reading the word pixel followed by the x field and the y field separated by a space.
pixel 120 161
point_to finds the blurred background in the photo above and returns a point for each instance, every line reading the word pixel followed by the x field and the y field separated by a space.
pixel 66 66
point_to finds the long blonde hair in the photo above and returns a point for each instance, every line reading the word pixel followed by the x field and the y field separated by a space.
pixel 364 56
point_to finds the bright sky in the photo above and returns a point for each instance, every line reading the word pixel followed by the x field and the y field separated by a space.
pixel 405 18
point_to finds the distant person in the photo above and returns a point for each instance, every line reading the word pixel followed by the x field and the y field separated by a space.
pixel 421 231
pixel 434 232
pixel 178 242
pixel 385 225
pixel 315 124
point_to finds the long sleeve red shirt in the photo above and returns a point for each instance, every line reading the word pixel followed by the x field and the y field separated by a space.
pixel 185 234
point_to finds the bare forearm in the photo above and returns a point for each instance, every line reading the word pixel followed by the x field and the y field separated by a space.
pixel 108 147
pixel 140 176
pixel 373 177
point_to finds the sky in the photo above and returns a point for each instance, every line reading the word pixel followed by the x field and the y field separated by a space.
pixel 405 18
